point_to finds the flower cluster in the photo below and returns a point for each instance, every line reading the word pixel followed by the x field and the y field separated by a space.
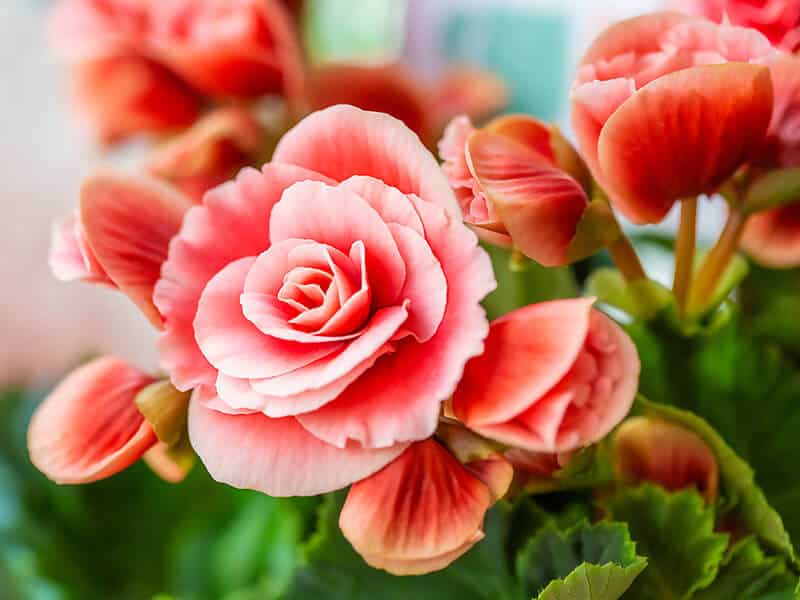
pixel 319 315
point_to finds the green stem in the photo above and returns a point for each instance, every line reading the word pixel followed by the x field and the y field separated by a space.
pixel 627 261
pixel 684 253
pixel 717 261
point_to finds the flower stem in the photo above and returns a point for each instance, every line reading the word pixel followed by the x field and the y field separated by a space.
pixel 627 261
pixel 684 252
pixel 717 261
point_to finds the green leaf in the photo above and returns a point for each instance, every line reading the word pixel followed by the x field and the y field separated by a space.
pixel 738 480
pixel 676 534
pixel 591 562
pixel 771 303
pixel 334 571
pixel 533 283
pixel 774 189
pixel 745 389
pixel 748 574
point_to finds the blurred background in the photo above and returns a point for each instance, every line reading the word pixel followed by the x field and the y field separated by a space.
pixel 134 536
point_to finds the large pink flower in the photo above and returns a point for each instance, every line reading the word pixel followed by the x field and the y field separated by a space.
pixel 779 20
pixel 149 66
pixel 667 106
pixel 555 376
pixel 323 307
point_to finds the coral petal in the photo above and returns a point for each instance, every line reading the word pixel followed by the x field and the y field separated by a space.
pixel 129 223
pixel 418 514
pixel 527 353
pixel 89 428
pixel 683 135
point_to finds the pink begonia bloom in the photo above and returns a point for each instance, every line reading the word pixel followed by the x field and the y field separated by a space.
pixel 466 90
pixel 648 449
pixel 421 512
pixel 518 181
pixel 148 66
pixel 667 106
pixel 89 428
pixel 779 20
pixel 322 307
pixel 554 377
pixel 209 153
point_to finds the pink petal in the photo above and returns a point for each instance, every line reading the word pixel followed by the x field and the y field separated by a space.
pixel 233 344
pixel 700 123
pixel 418 514
pixel 382 327
pixel 527 353
pixel 277 456
pixel 342 141
pixel 129 223
pixel 592 104
pixel 70 257
pixel 391 204
pixel 399 398
pixel 85 29
pixel 232 223
pixel 240 395
pixel 453 150
pixel 539 205
pixel 338 217
pixel 425 287
pixel 89 428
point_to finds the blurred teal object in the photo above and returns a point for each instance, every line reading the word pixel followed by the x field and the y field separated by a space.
pixel 527 47
pixel 355 30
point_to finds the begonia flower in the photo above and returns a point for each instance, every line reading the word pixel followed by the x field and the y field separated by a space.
pixel 554 377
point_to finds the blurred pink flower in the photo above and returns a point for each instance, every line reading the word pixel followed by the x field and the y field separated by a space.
pixel 210 152
pixel 151 66
pixel 554 377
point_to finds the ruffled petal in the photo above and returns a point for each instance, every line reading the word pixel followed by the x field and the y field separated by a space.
pixel 418 514
pixel 527 353
pixel 277 456
pixel 425 286
pixel 683 135
pixel 129 223
pixel 89 428
pixel 638 35
pixel 232 344
pixel 232 223
pixel 343 141
pixel 404 390
pixel 340 218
